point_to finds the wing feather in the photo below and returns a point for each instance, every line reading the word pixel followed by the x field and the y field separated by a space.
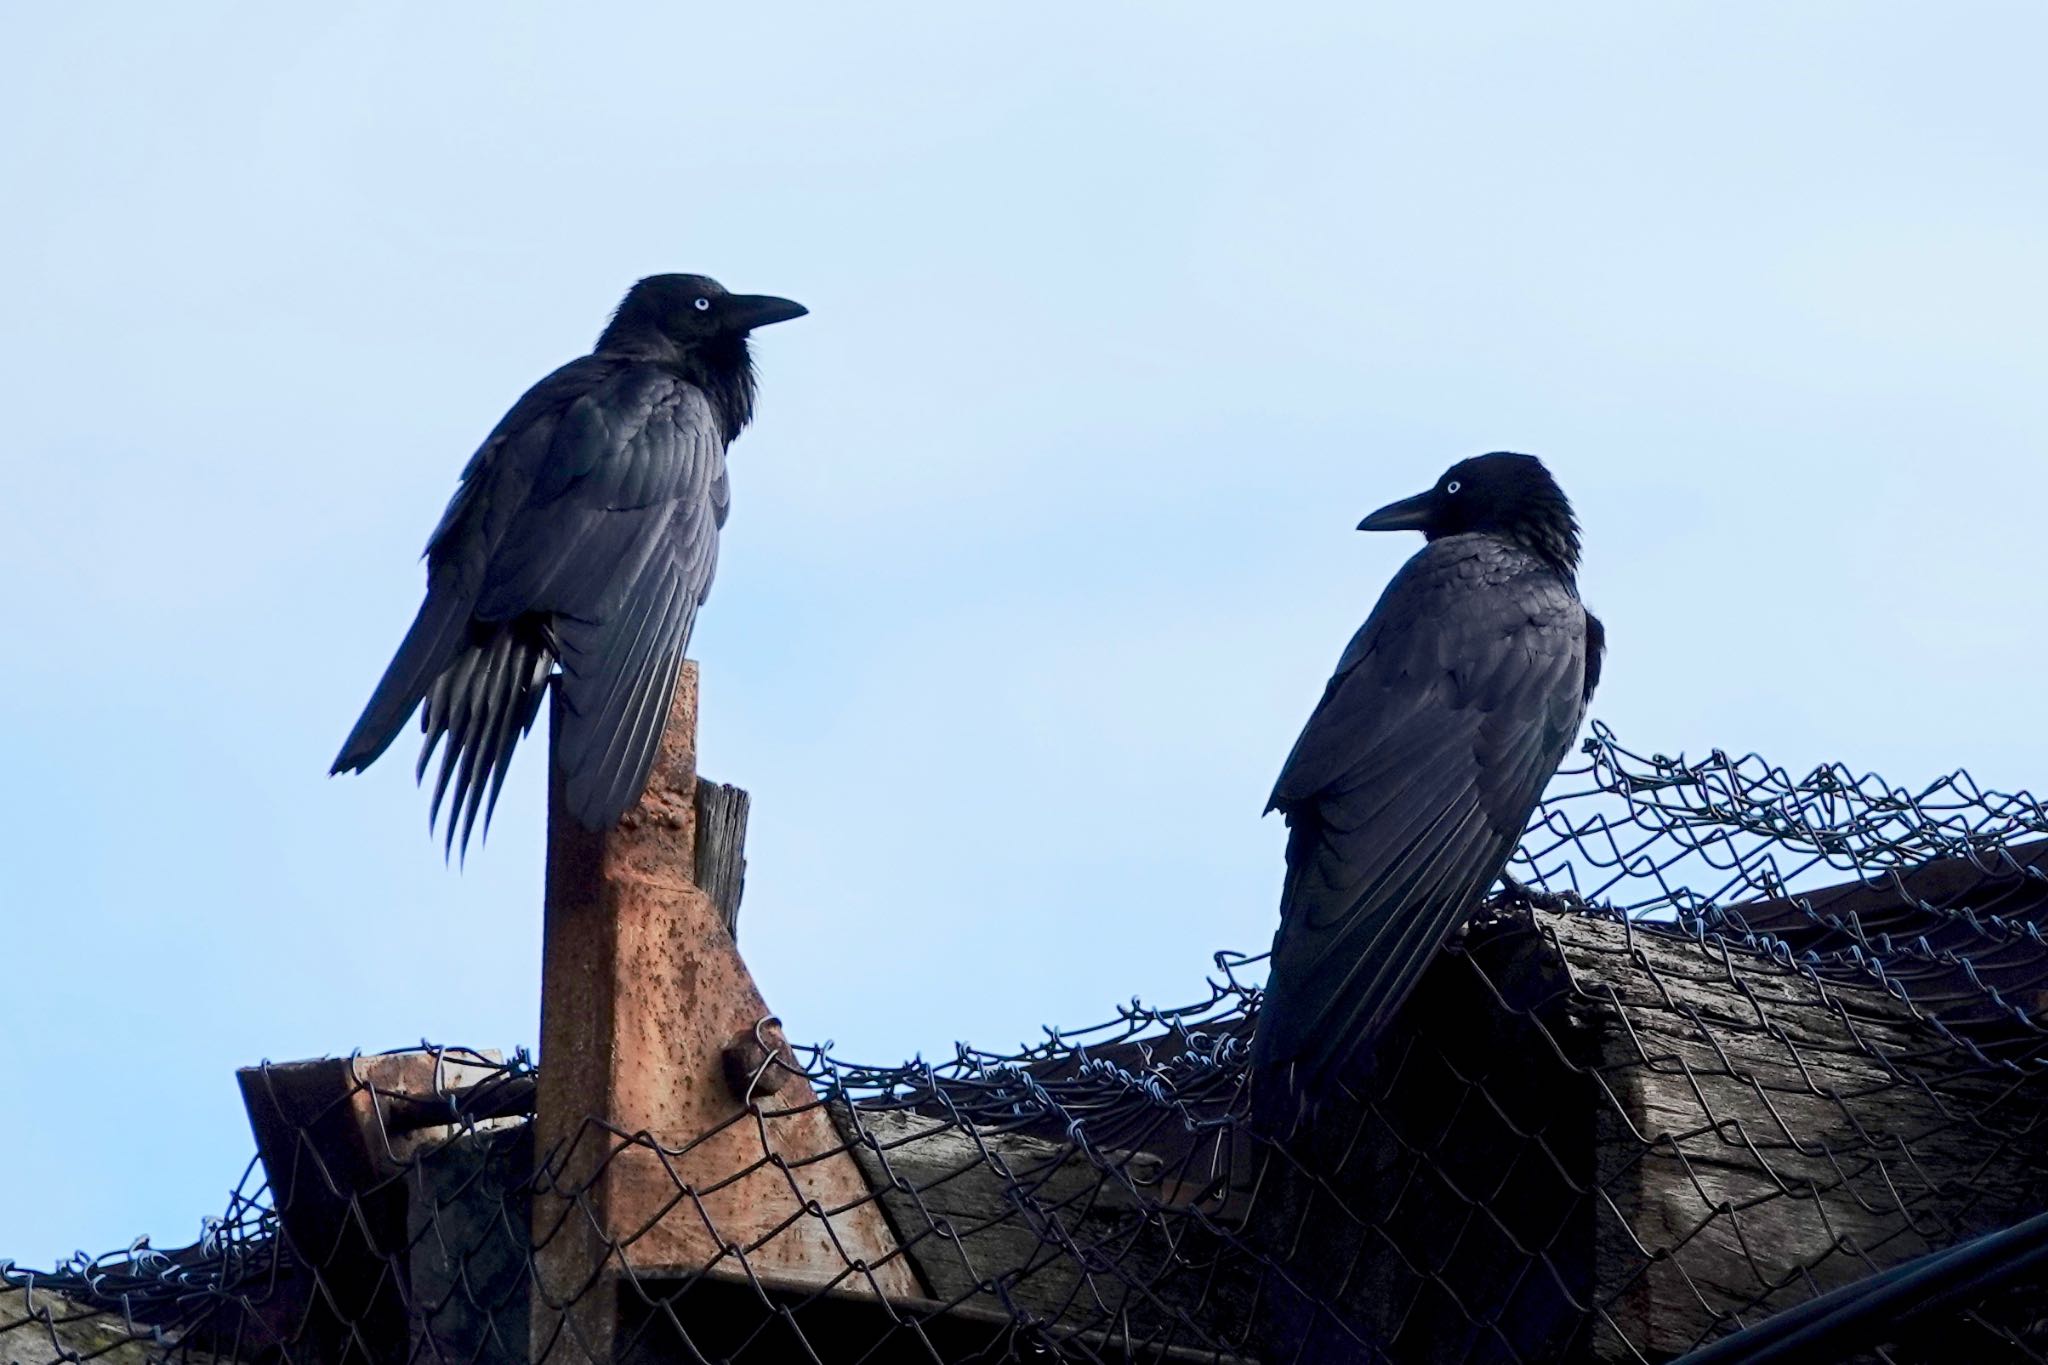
pixel 584 532
pixel 623 635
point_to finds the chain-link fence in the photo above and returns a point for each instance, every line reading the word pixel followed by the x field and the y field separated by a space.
pixel 1727 1042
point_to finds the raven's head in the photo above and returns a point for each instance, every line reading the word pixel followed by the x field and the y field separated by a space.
pixel 692 312
pixel 693 325
pixel 1502 494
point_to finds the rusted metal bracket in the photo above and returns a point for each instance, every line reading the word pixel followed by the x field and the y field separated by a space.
pixel 758 1062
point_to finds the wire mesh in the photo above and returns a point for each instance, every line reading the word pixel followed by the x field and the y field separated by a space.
pixel 1724 1041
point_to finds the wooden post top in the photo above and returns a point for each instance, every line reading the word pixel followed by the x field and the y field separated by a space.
pixel 650 1162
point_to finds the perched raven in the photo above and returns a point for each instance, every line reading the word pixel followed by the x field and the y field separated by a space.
pixel 583 537
pixel 1411 783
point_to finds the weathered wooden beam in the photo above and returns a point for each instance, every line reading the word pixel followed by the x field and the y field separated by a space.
pixel 335 1166
pixel 647 1161
pixel 467 1217
pixel 722 848
pixel 499 1096
pixel 1764 1137
pixel 935 1174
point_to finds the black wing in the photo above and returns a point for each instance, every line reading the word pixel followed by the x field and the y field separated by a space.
pixel 616 543
pixel 1409 787
pixel 585 532
pixel 493 486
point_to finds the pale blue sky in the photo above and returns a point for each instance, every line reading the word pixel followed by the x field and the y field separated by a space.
pixel 1041 549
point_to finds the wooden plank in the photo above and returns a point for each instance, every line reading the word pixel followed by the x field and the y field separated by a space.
pixel 1757 1148
pixel 948 1192
pixel 1099 1248
pixel 38 1327
pixel 1906 905
pixel 467 1216
pixel 721 855
pixel 335 1177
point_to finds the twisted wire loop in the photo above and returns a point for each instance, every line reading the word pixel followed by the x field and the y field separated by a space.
pixel 1724 1041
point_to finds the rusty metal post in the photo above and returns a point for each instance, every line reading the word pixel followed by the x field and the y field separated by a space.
pixel 642 992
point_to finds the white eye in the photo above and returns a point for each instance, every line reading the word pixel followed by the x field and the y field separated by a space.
pixel 1452 486
pixel 703 305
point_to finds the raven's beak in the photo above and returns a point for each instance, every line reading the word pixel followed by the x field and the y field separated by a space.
pixel 745 312
pixel 1409 514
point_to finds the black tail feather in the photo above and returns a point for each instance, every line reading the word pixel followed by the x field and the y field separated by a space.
pixel 479 687
pixel 515 726
pixel 435 639
pixel 481 705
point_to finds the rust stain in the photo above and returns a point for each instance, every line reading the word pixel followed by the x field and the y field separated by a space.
pixel 644 994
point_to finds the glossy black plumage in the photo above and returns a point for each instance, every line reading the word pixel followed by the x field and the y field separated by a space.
pixel 1406 793
pixel 583 538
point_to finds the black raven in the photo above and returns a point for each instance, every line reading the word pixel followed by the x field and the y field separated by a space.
pixel 582 537
pixel 1410 785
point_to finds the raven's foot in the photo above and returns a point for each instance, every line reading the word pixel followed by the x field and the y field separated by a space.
pixel 1529 900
